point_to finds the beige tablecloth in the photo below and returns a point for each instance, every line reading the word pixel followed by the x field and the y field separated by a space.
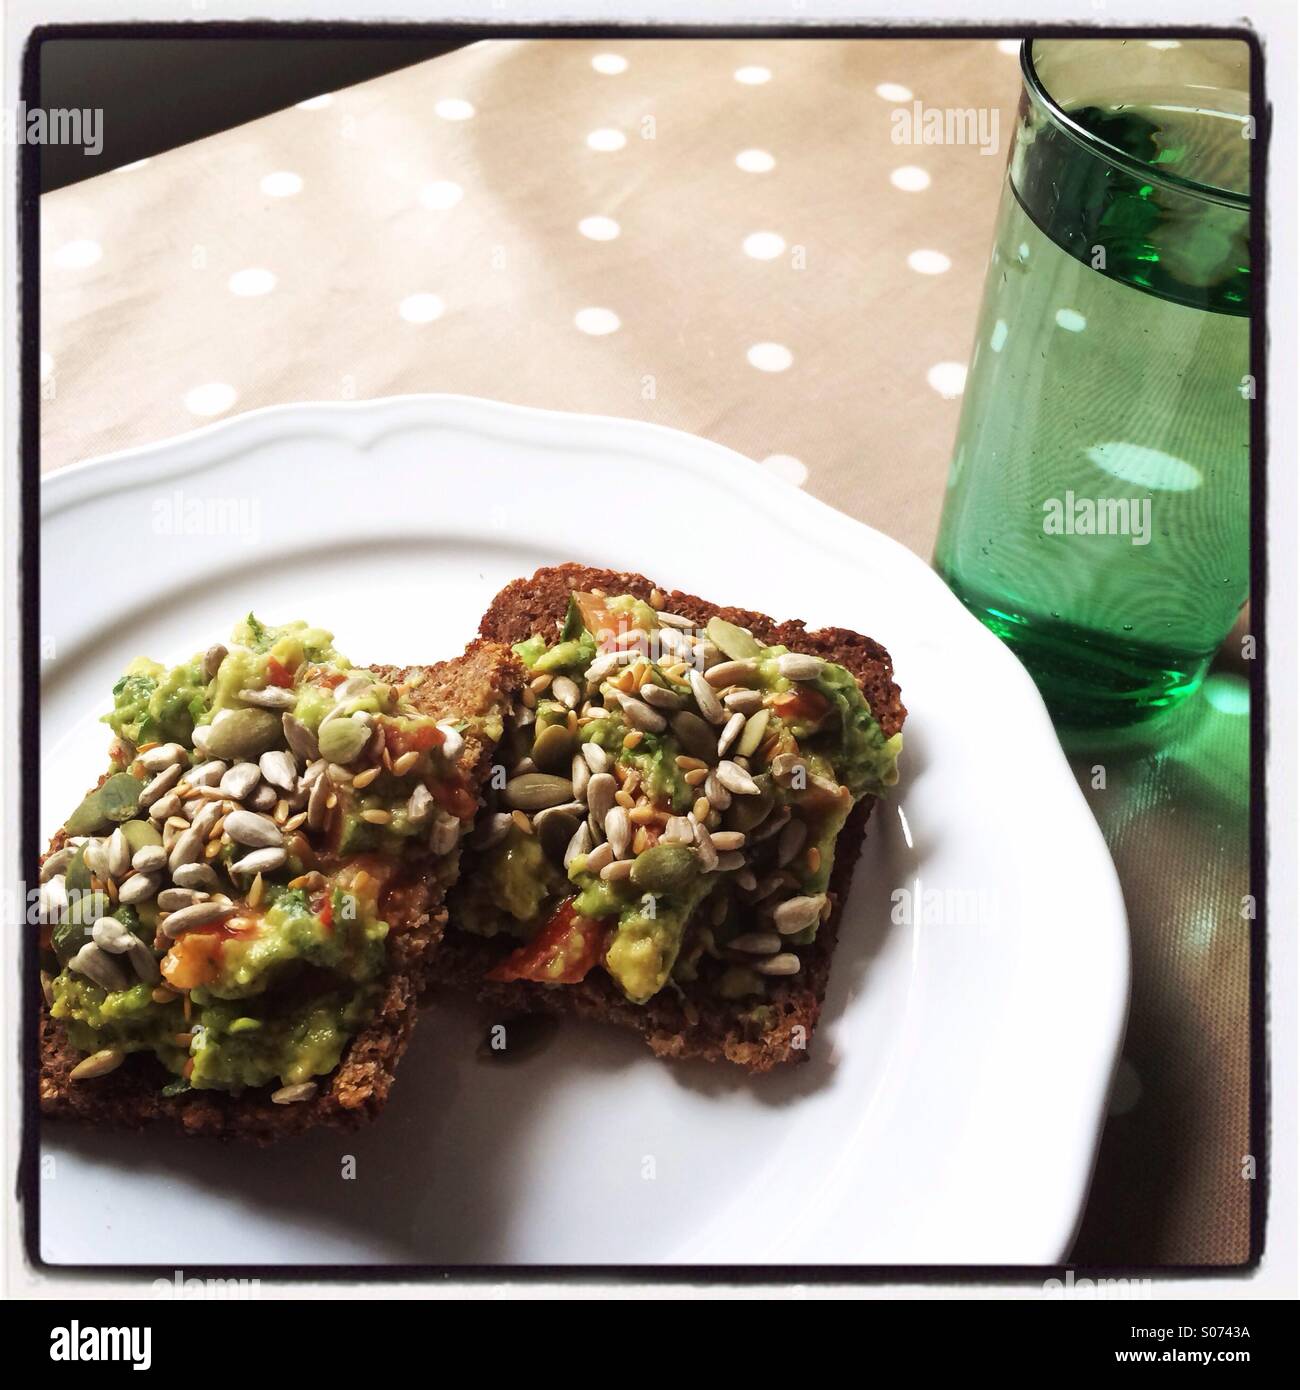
pixel 720 236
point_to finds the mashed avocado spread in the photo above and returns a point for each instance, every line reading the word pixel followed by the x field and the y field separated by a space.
pixel 676 794
pixel 224 899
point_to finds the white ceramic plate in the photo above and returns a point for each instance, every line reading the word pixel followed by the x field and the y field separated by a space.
pixel 951 1107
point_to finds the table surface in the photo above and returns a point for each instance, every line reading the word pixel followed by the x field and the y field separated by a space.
pixel 719 236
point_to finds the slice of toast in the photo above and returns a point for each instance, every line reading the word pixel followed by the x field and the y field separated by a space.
pixel 687 1020
pixel 477 687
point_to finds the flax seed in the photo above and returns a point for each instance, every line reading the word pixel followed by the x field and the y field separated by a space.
pixel 520 818
pixel 813 859
pixel 696 775
pixel 702 808
pixel 632 739
pixel 256 889
pixel 624 798
pixel 377 817
pixel 402 765
pixel 690 764
pixel 364 779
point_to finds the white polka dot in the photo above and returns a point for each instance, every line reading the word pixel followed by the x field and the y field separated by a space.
pixel 611 64
pixel 47 367
pixel 130 168
pixel 210 399
pixel 763 246
pixel 948 379
pixel 787 467
pixel 753 76
pixel 770 357
pixel 755 161
pixel 893 91
pixel 421 308
pixel 606 140
pixel 929 262
pixel 597 322
pixel 999 335
pixel 281 184
pixel 1009 46
pixel 910 178
pixel 454 109
pixel 1071 320
pixel 441 194
pixel 599 228
pixel 77 255
pixel 247 283
pixel 1163 43
pixel 316 103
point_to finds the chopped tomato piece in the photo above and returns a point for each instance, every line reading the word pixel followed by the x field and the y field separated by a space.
pixel 277 674
pixel 560 954
pixel 455 798
pixel 802 705
pixel 194 960
pixel 417 738
pixel 604 624
pixel 323 906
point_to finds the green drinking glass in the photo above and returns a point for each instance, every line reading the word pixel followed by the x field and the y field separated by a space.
pixel 1097 516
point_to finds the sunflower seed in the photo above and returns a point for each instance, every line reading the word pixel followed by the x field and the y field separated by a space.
pixel 188 847
pixel 704 844
pixel 597 758
pixel 674 620
pixel 112 936
pixel 97 1064
pixel 579 775
pixel 453 744
pixel 579 844
pixel 777 820
pixel 618 831
pixel 155 760
pixel 787 963
pixel 358 683
pixel 212 660
pixel 660 697
pixel 239 780
pixel 117 854
pixel 165 806
pixel 796 914
pixel 715 793
pixel 56 863
pixel 727 840
pixel 744 701
pixel 600 797
pixel 675 644
pixel 293 1095
pixel 261 861
pixel 246 828
pixel 143 961
pixel 616 870
pixel 730 732
pixel 732 673
pixel 206 817
pixel 300 738
pixel 160 785
pixel 566 691
pixel 444 833
pixel 641 716
pixel 795 666
pixel 729 863
pixel 793 835
pixel 599 857
pixel 264 798
pixel 756 943
pixel 139 888
pixel 271 697
pixel 52 900
pixel 705 698
pixel 197 876
pixel 737 780
pixel 417 808
pixel 99 967
pixel 279 769
pixel 707 654
pixel 678 831
pixel 175 899
pixel 608 662
pixel 491 830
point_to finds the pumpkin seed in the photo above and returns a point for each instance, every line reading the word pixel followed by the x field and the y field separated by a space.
pixel 555 831
pixel 755 728
pixel 116 800
pixel 664 868
pixel 341 740
pixel 791 842
pixel 535 791
pixel 695 736
pixel 731 640
pixel 553 749
pixel 242 734
pixel 141 834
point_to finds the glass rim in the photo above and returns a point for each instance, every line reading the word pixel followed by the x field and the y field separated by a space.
pixel 1112 153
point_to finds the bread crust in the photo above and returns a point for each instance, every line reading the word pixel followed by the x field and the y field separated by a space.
pixel 481 681
pixel 696 1023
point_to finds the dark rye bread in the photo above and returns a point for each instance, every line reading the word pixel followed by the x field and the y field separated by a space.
pixel 484 680
pixel 703 1025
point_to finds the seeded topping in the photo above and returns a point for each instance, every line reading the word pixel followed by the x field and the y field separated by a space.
pixel 672 800
pixel 220 899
